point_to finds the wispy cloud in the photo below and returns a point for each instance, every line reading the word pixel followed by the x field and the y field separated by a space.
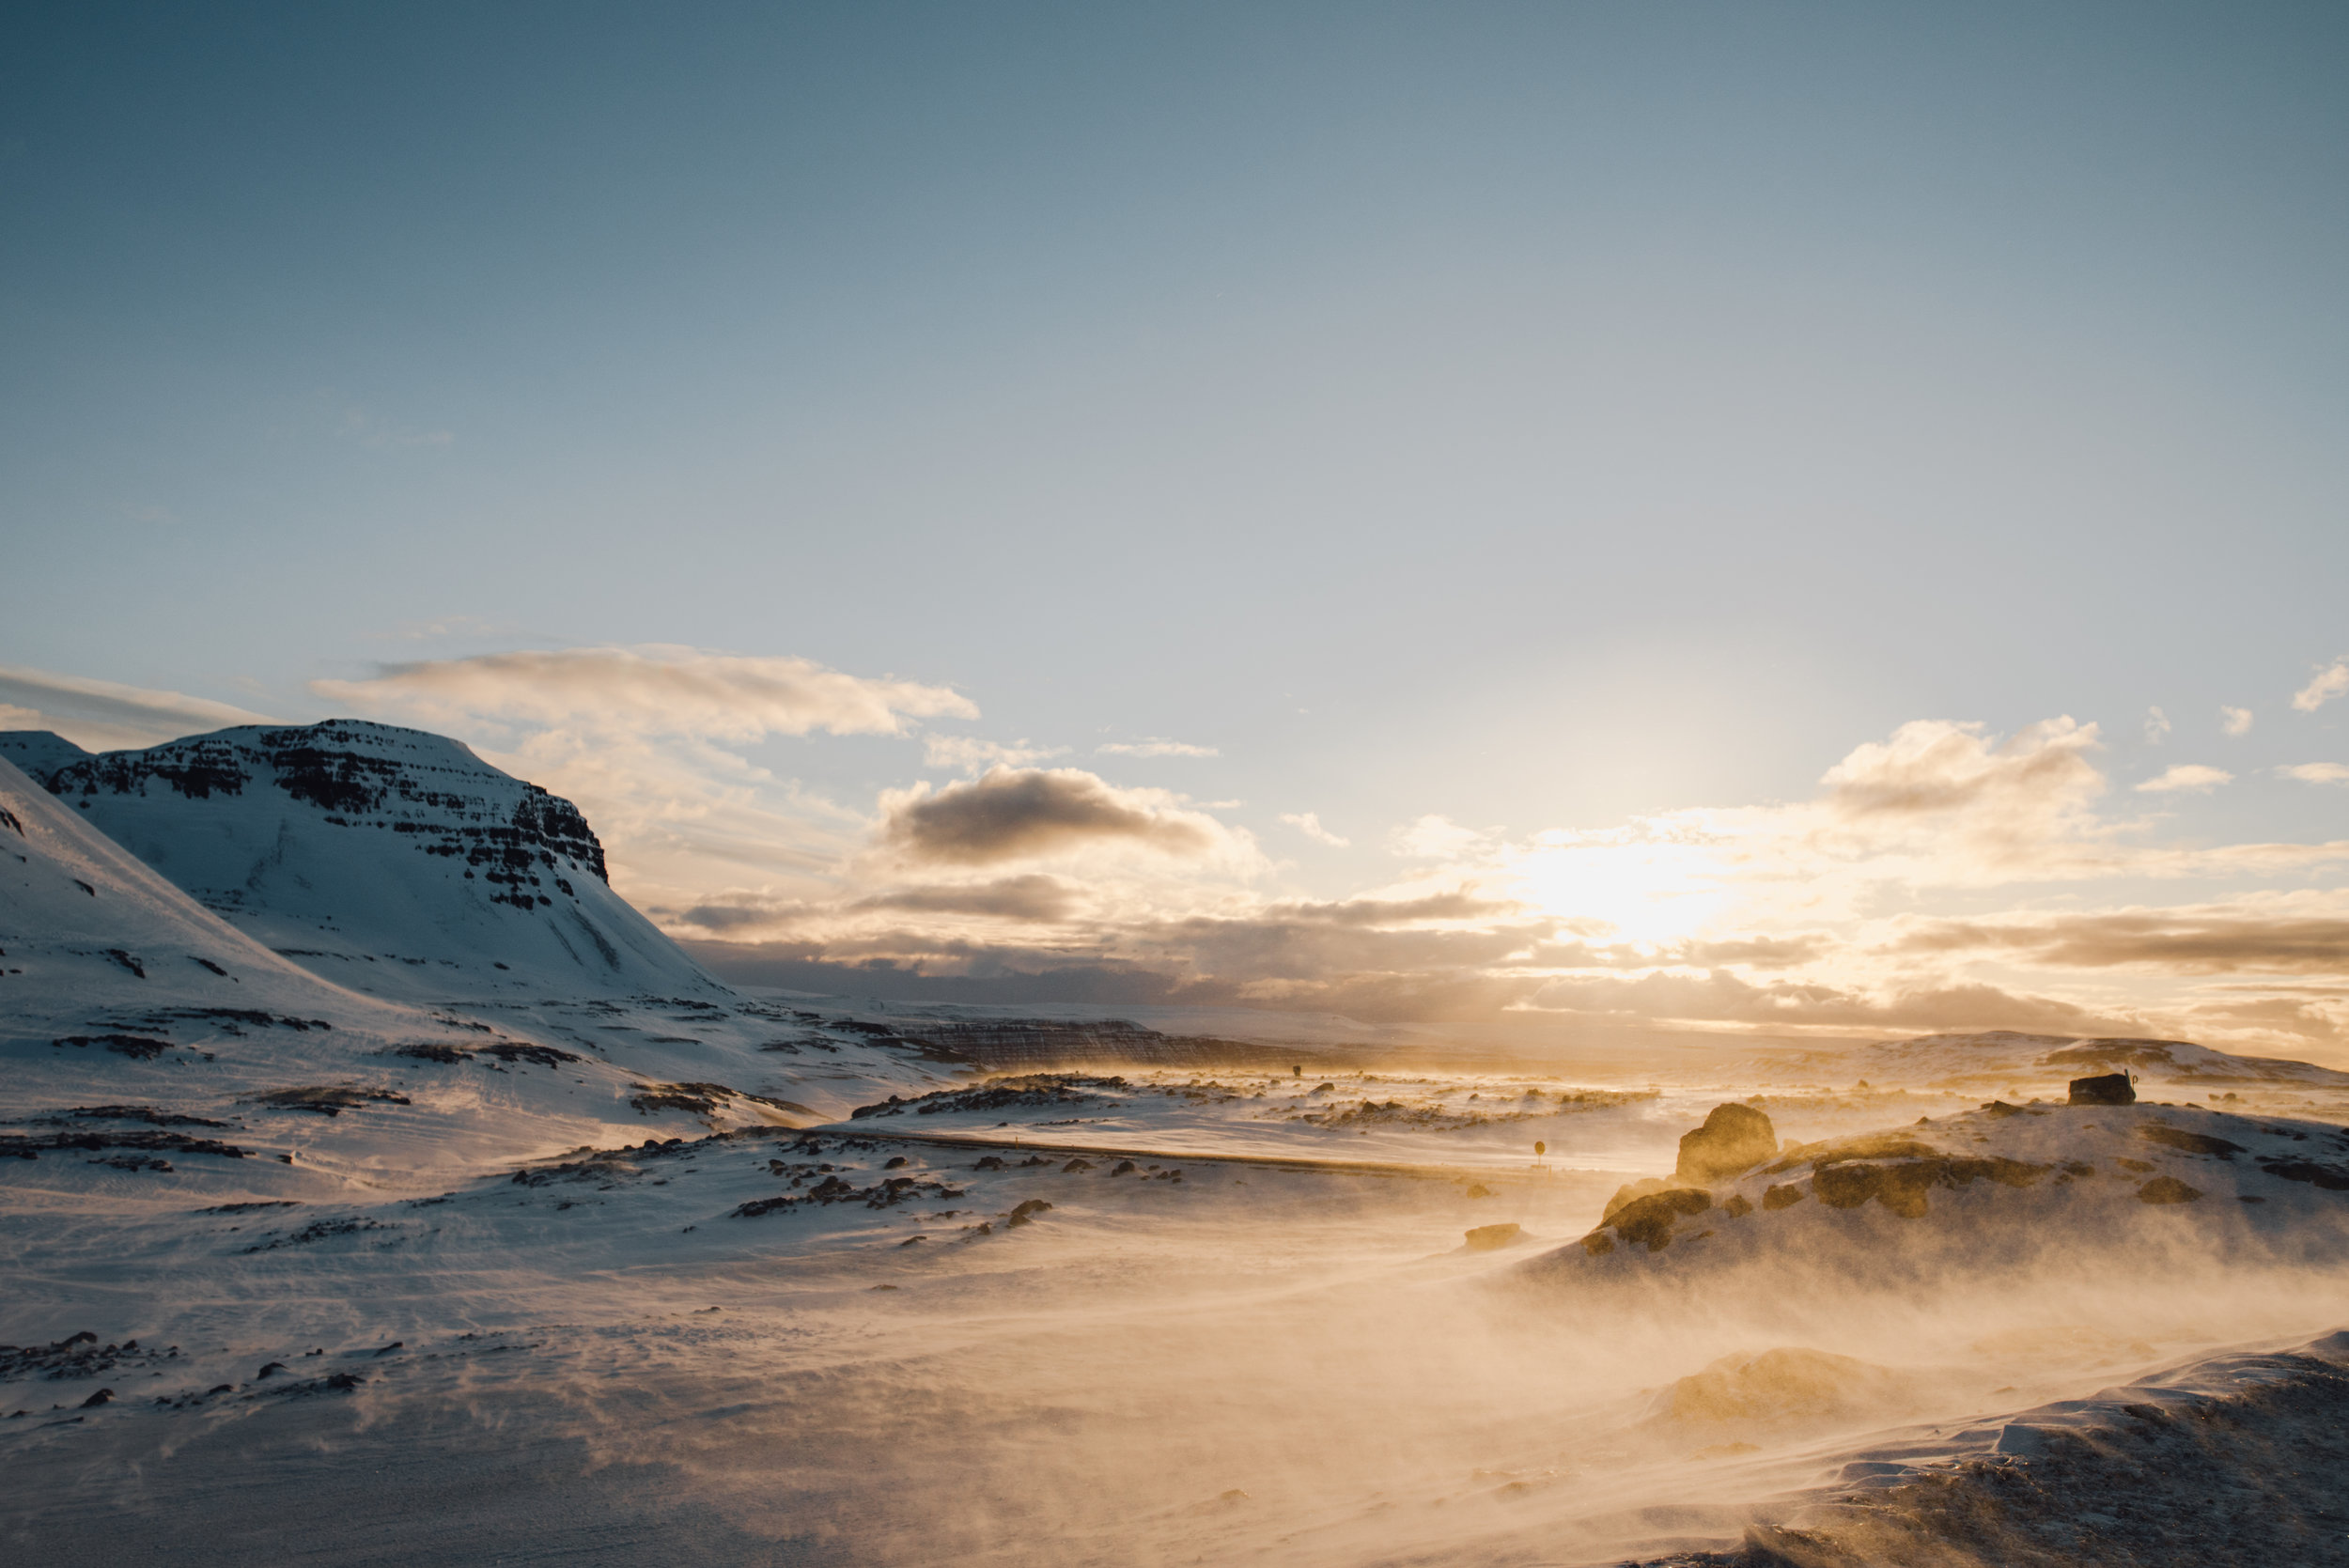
pixel 1035 899
pixel 2235 721
pixel 967 755
pixel 1434 837
pixel 2328 683
pixel 649 688
pixel 1153 748
pixel 1309 823
pixel 472 627
pixel 2157 727
pixel 2317 773
pixel 104 715
pixel 366 429
pixel 2270 935
pixel 2189 778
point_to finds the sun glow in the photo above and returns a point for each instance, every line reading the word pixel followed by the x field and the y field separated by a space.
pixel 1623 886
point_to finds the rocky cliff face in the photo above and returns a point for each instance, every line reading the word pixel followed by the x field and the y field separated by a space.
pixel 386 859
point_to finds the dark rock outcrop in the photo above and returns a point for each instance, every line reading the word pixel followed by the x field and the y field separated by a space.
pixel 2109 1089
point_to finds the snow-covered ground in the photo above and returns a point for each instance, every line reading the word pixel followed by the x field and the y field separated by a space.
pixel 489 1269
pixel 982 1354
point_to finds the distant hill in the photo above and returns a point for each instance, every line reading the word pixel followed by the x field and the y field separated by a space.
pixel 1994 1058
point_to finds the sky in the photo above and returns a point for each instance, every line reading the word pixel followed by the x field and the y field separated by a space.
pixel 1786 519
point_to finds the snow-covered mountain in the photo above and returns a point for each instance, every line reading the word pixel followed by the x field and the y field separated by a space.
pixel 390 860
pixel 151 1048
pixel 85 927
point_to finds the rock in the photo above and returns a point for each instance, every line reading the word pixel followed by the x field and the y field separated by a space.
pixel 2110 1089
pixel 1779 1388
pixel 1490 1239
pixel 1631 1192
pixel 1075 1165
pixel 104 1396
pixel 1649 1219
pixel 2167 1190
pixel 1735 1138
pixel 1477 1190
pixel 1902 1184
pixel 2330 1178
pixel 1026 1211
pixel 896 1162
pixel 2188 1143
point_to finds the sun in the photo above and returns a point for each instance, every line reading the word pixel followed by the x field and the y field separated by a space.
pixel 1643 890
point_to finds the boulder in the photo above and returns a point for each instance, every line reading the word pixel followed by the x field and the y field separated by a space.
pixel 1490 1239
pixel 1648 1220
pixel 2111 1089
pixel 1631 1192
pixel 1735 1138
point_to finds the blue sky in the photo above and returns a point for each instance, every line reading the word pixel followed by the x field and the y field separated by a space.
pixel 1532 417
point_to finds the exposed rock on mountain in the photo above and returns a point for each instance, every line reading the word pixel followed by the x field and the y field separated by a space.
pixel 387 859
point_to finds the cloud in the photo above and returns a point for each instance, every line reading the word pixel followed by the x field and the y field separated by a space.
pixel 1719 997
pixel 2317 773
pixel 1309 823
pixel 452 626
pixel 1384 912
pixel 1033 897
pixel 729 917
pixel 2235 721
pixel 101 715
pixel 967 755
pixel 1155 747
pixel 1014 814
pixel 2204 941
pixel 2186 777
pixel 2330 682
pixel 1438 838
pixel 651 688
pixel 1761 953
pixel 2157 727
pixel 371 431
pixel 1936 768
